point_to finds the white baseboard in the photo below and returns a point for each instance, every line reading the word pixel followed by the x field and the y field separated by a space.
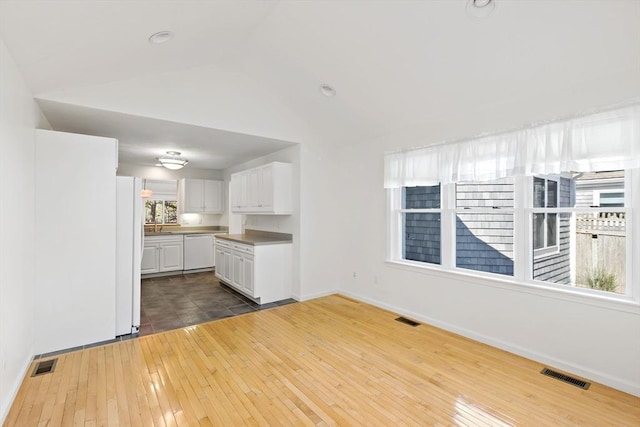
pixel 599 377
pixel 6 406
pixel 308 297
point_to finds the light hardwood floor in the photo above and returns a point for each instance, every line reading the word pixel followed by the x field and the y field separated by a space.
pixel 330 361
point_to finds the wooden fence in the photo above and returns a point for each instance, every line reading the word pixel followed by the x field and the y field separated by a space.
pixel 600 243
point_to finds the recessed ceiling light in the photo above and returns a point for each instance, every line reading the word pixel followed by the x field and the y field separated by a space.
pixel 480 8
pixel 160 37
pixel 327 90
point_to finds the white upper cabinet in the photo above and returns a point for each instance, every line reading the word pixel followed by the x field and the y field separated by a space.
pixel 266 189
pixel 200 196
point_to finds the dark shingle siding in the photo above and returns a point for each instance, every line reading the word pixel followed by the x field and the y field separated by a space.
pixel 484 241
pixel 422 197
pixel 422 237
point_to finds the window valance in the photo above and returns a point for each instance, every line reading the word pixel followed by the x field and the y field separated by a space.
pixel 608 140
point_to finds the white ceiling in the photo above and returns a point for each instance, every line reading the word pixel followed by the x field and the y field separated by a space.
pixel 142 140
pixel 254 67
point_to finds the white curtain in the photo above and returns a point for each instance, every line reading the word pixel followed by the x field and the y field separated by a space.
pixel 604 141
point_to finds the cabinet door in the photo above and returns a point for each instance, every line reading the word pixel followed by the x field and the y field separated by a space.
pixel 212 196
pixel 219 263
pixel 253 192
pixel 247 275
pixel 236 277
pixel 171 256
pixel 150 259
pixel 227 266
pixel 239 191
pixel 265 188
pixel 193 197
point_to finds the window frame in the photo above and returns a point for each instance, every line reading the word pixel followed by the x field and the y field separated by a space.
pixel 523 244
pixel 403 211
pixel 546 250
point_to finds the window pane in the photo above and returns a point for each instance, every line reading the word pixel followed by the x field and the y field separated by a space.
pixel 150 211
pixel 425 197
pixel 555 266
pixel 611 200
pixel 422 237
pixel 170 212
pixel 601 252
pixel 489 194
pixel 484 242
pixel 552 194
pixel 538 230
pixel 538 193
pixel 599 255
pixel 551 229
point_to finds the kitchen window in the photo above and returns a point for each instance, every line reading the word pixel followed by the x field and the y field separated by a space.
pixel 161 212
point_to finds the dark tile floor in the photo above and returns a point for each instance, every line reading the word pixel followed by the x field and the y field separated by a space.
pixel 172 302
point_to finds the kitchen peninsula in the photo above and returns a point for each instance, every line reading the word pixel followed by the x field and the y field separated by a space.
pixel 256 264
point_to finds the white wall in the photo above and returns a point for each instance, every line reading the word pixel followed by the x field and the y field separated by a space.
pixel 601 343
pixel 19 116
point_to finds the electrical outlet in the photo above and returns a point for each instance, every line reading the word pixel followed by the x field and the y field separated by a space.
pixel 355 275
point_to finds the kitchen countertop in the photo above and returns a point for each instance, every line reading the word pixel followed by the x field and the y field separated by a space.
pixel 257 238
pixel 183 231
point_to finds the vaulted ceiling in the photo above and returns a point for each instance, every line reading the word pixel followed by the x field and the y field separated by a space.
pixel 251 70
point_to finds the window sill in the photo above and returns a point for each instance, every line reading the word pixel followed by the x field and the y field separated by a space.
pixel 560 292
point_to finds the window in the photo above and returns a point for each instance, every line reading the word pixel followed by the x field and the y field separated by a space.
pixel 531 229
pixel 484 226
pixel 545 224
pixel 421 224
pixel 161 212
pixel 613 199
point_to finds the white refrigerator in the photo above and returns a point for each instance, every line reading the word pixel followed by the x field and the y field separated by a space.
pixel 129 245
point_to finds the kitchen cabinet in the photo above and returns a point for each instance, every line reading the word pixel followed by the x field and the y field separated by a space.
pixel 162 254
pixel 223 260
pixel 242 261
pixel 261 272
pixel 200 196
pixel 263 190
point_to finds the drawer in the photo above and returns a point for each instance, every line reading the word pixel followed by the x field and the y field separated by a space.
pixel 163 239
pixel 223 243
pixel 246 249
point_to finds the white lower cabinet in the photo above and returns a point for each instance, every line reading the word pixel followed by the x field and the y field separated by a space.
pixel 262 272
pixel 162 254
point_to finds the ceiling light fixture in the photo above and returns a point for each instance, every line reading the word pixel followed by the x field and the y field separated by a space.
pixel 160 37
pixel 327 90
pixel 480 8
pixel 172 161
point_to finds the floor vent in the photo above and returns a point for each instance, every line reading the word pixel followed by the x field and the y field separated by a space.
pixel 45 367
pixel 407 321
pixel 567 379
